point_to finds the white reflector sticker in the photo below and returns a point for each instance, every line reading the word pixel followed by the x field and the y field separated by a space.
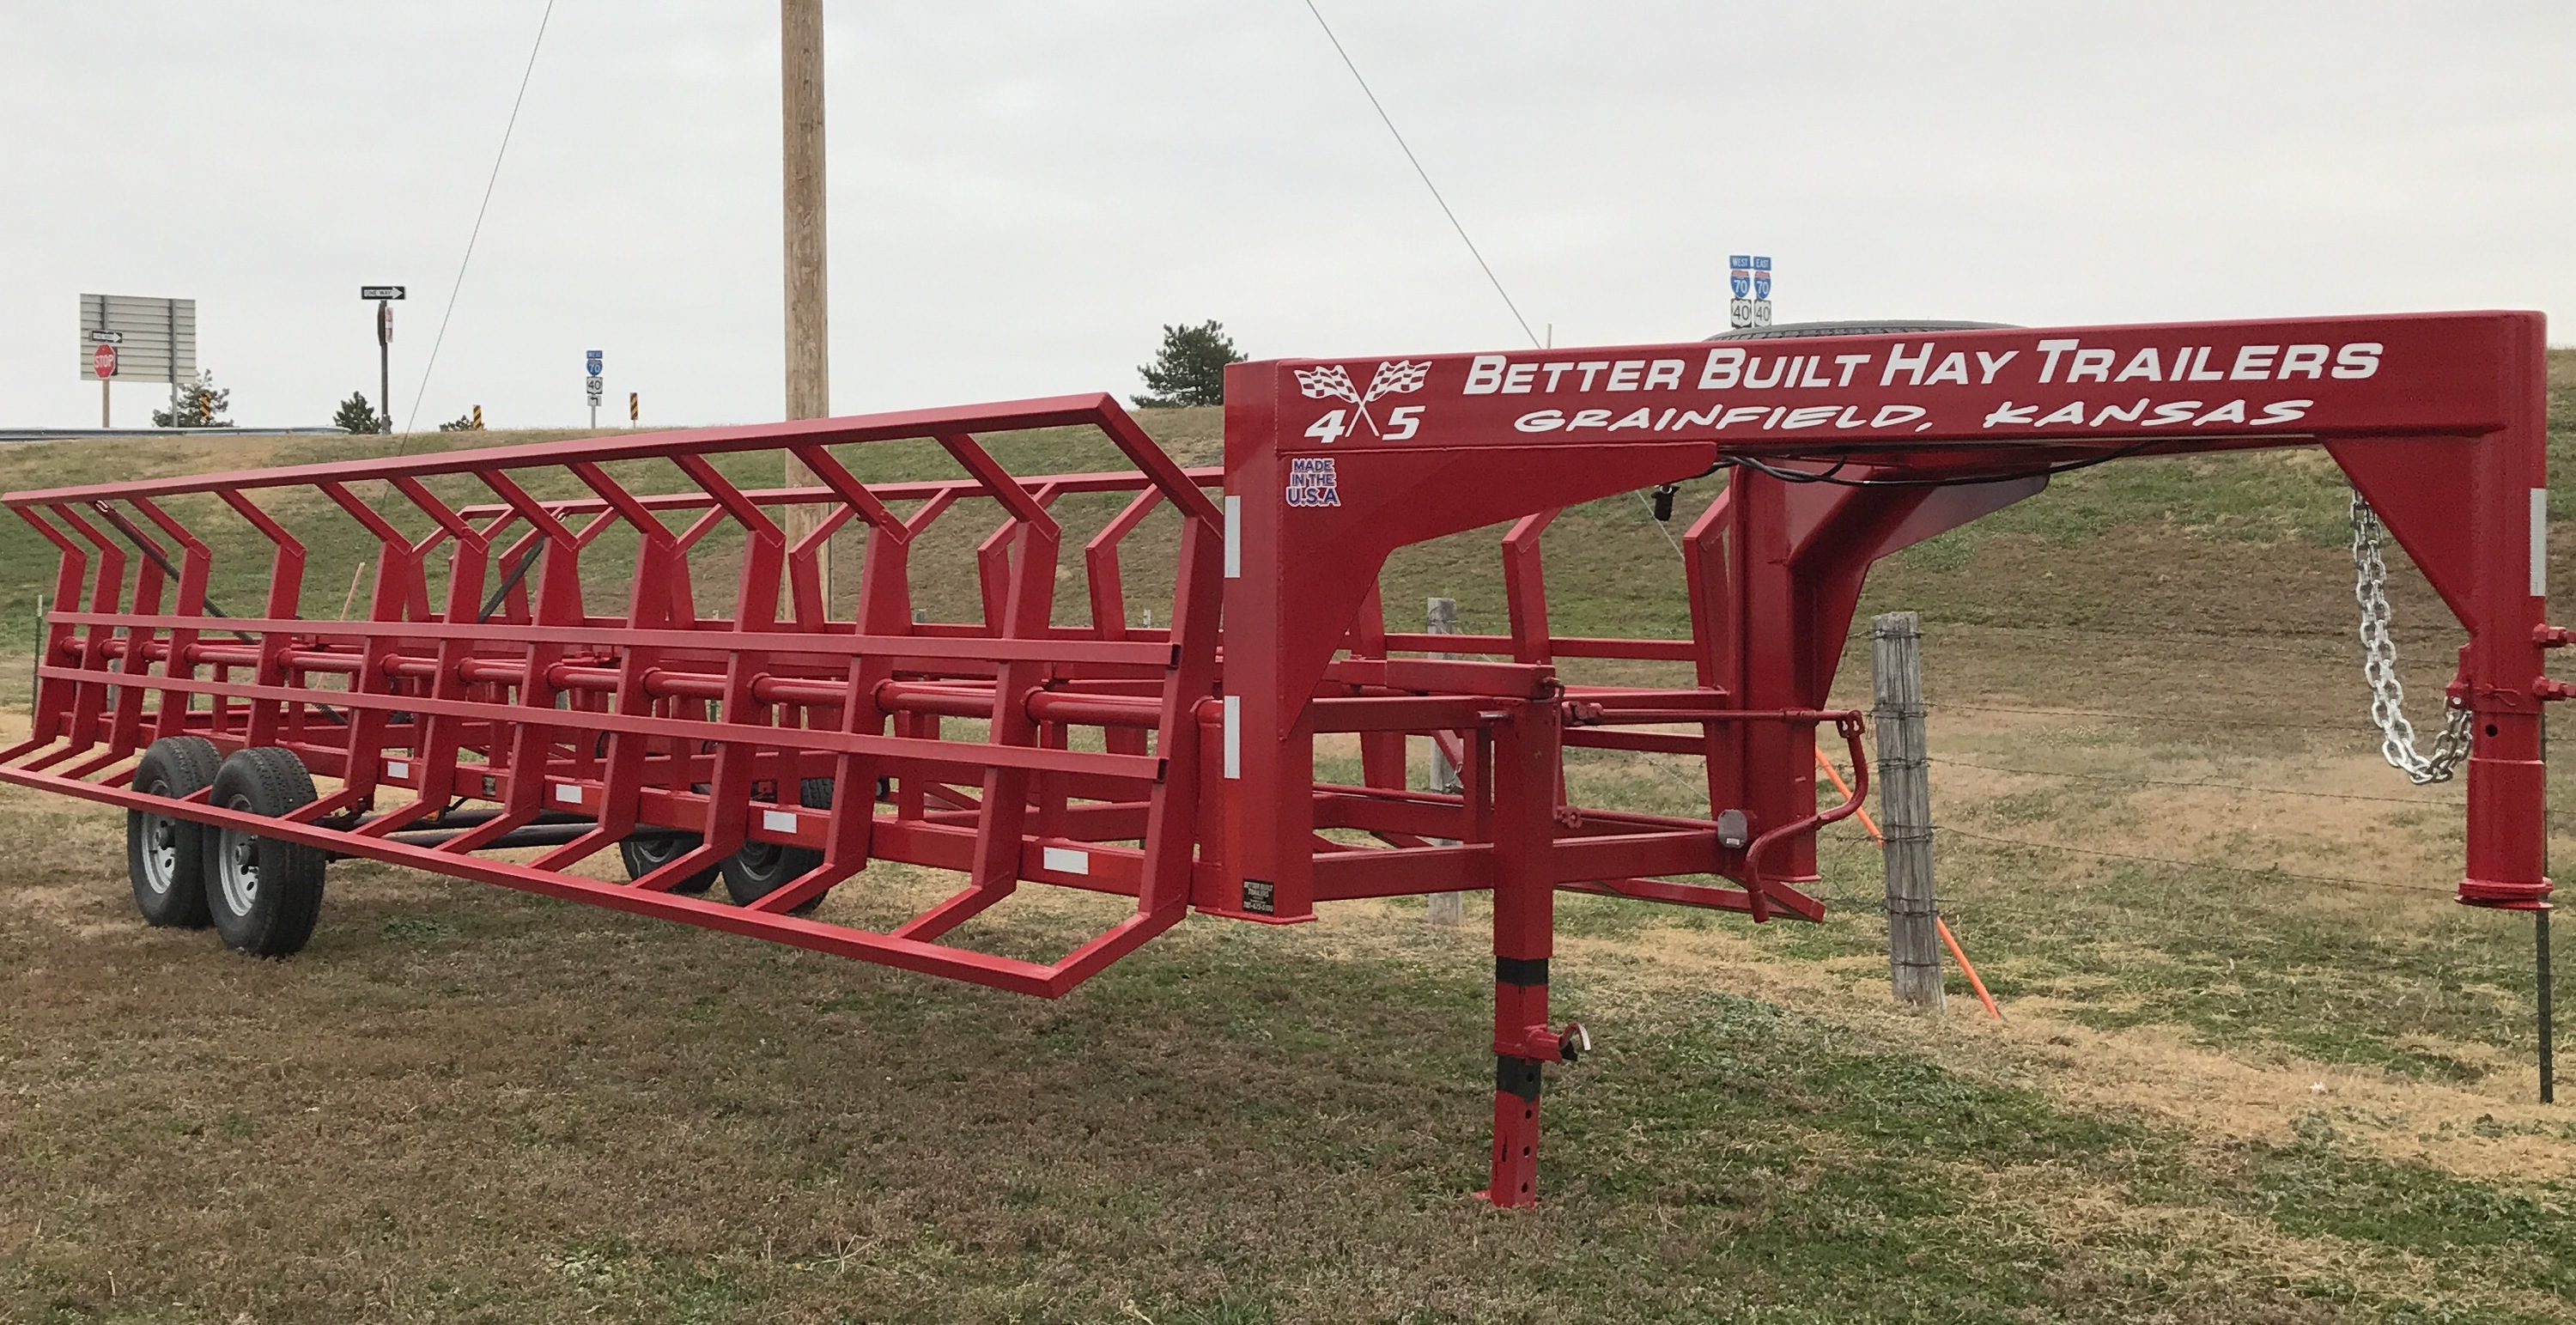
pixel 1234 736
pixel 2540 542
pixel 1064 861
pixel 778 821
pixel 397 768
pixel 567 793
pixel 1234 538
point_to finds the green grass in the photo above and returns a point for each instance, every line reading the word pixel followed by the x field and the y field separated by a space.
pixel 567 1114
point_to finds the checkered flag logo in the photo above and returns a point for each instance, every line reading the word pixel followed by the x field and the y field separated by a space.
pixel 1333 382
pixel 1395 379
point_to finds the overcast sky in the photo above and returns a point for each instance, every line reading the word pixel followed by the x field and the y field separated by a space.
pixel 1022 193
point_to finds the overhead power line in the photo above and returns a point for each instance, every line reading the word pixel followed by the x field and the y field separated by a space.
pixel 413 419
pixel 1407 149
pixel 1460 227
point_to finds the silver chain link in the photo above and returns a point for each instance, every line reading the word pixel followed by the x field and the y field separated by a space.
pixel 2379 666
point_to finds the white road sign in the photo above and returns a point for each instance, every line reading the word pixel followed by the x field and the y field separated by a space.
pixel 156 339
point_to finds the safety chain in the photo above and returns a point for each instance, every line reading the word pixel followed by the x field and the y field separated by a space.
pixel 2379 666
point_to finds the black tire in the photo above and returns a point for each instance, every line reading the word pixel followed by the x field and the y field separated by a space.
pixel 165 858
pixel 762 868
pixel 643 855
pixel 263 893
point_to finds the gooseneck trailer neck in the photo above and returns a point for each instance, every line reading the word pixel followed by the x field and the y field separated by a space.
pixel 609 648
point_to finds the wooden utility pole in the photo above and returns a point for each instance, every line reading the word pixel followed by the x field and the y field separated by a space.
pixel 809 369
pixel 1905 808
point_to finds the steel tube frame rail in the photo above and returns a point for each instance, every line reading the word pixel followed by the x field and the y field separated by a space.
pixel 662 716
pixel 713 726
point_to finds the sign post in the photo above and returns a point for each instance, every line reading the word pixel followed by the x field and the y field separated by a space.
pixel 103 362
pixel 384 295
pixel 592 384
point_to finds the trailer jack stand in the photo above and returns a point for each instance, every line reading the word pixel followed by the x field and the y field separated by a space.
pixel 1515 1170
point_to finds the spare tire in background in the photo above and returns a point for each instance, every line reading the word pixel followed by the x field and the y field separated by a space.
pixel 1881 327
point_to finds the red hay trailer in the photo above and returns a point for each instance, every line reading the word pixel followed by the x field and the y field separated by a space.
pixel 491 695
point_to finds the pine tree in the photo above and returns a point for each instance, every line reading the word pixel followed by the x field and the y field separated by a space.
pixel 200 405
pixel 1190 370
pixel 354 415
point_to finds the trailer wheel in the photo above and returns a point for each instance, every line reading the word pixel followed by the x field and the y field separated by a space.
pixel 643 855
pixel 264 893
pixel 762 868
pixel 166 857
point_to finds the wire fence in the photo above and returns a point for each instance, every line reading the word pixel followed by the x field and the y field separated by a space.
pixel 2268 637
pixel 2155 719
pixel 2244 787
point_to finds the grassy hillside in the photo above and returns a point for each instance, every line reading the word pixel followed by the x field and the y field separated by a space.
pixel 2257 1067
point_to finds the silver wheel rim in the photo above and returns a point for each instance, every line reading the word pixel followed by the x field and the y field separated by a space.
pixel 160 847
pixel 237 867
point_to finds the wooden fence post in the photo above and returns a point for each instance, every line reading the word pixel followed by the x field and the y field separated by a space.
pixel 1447 909
pixel 1905 808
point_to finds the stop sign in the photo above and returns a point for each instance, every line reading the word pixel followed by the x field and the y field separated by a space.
pixel 103 360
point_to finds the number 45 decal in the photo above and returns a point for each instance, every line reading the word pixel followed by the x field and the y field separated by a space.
pixel 1401 422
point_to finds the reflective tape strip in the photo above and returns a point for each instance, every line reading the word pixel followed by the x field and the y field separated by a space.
pixel 1234 538
pixel 567 793
pixel 1234 736
pixel 1065 861
pixel 397 768
pixel 2540 542
pixel 778 821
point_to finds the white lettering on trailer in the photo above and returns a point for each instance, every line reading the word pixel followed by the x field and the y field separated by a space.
pixel 2359 359
pixel 1719 418
pixel 1913 367
pixel 2092 365
pixel 2253 363
pixel 2174 413
pixel 1750 367
pixel 1489 374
